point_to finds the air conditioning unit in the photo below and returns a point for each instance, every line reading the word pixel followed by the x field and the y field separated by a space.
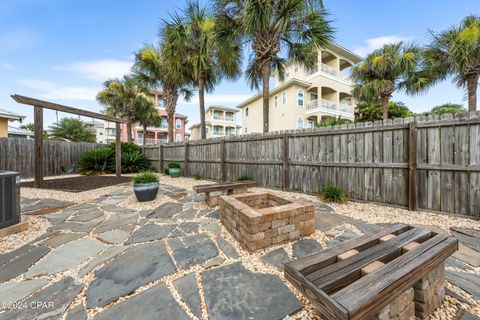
pixel 9 198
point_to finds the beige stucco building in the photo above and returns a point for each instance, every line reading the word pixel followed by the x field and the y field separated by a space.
pixel 305 97
pixel 219 122
pixel 5 118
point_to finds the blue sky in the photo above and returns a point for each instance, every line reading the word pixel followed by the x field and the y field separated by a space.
pixel 62 50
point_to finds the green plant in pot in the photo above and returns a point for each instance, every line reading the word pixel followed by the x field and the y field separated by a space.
pixel 174 169
pixel 145 186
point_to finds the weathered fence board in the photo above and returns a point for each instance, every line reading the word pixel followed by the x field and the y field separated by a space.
pixel 18 155
pixel 370 161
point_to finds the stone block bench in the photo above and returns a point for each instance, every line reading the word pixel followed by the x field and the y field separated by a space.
pixel 397 273
pixel 222 188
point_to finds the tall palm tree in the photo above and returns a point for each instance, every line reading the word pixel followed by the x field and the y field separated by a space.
pixel 165 71
pixel 74 130
pixel 384 71
pixel 149 117
pixel 271 27
pixel 192 35
pixel 456 52
pixel 123 98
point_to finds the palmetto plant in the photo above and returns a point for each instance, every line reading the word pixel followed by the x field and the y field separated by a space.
pixel 165 70
pixel 192 35
pixel 456 52
pixel 273 30
pixel 386 70
pixel 124 98
pixel 74 130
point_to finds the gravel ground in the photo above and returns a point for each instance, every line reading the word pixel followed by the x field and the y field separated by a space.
pixel 371 213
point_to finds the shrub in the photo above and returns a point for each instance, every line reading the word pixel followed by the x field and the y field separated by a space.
pixel 197 177
pixel 165 170
pixel 96 162
pixel 333 193
pixel 145 177
pixel 244 178
pixel 134 161
pixel 174 165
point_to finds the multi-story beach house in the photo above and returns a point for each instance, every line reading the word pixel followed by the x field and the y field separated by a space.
pixel 5 118
pixel 219 122
pixel 305 97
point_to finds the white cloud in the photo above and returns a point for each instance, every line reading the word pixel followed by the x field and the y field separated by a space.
pixel 220 99
pixel 55 91
pixel 99 70
pixel 376 43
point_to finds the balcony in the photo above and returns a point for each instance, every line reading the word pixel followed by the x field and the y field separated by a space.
pixel 331 108
pixel 329 70
pixel 151 141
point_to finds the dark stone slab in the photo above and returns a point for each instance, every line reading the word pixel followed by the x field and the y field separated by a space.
pixel 326 221
pixel 346 235
pixel 366 228
pixel 19 261
pixel 211 226
pixel 104 256
pixel 116 221
pixel 87 215
pixel 305 247
pixel 13 291
pixel 189 251
pixel 56 218
pixel 456 296
pixel 214 214
pixel 468 282
pixel 235 293
pixel 61 238
pixel 166 210
pixel 203 212
pixel 134 268
pixel 276 258
pixel 462 314
pixel 88 226
pixel 199 197
pixel 321 207
pixel 227 248
pixel 455 263
pixel 77 313
pixel 188 214
pixel 150 232
pixel 188 289
pixel 152 304
pixel 177 233
pixel 58 296
pixel 117 209
pixel 186 199
pixel 189 227
pixel 45 203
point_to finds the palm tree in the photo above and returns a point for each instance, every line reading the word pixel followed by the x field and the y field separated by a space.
pixel 456 52
pixel 123 98
pixel 148 117
pixel 384 71
pixel 270 27
pixel 166 71
pixel 193 36
pixel 74 130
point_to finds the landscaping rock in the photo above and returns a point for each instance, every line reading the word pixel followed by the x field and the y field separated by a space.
pixel 166 210
pixel 188 214
pixel 88 226
pixel 276 258
pixel 233 292
pixel 466 281
pixel 189 251
pixel 188 289
pixel 227 248
pixel 213 262
pixel 15 291
pixel 77 313
pixel 116 209
pixel 366 228
pixel 305 247
pixel 61 238
pixel 115 236
pixel 104 256
pixel 152 304
pixel 18 261
pixel 214 214
pixel 325 221
pixel 211 226
pixel 189 227
pixel 87 215
pixel 117 221
pixel 134 268
pixel 150 232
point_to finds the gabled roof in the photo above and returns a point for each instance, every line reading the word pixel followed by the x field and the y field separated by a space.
pixel 10 115
pixel 19 131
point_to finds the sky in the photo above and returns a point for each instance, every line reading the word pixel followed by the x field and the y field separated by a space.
pixel 63 50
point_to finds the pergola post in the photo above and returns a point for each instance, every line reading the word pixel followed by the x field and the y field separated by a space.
pixel 118 151
pixel 38 147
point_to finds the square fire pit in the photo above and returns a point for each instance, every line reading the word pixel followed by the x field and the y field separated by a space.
pixel 258 220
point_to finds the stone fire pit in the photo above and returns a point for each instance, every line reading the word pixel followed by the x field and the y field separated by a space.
pixel 258 220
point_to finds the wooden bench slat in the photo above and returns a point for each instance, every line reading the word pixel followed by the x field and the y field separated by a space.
pixel 223 186
pixel 322 259
pixel 341 274
pixel 366 296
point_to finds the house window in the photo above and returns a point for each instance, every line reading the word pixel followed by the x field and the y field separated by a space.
pixel 246 130
pixel 300 98
pixel 178 137
pixel 313 96
pixel 310 124
pixel 164 123
pixel 284 97
pixel 178 124
pixel 275 101
pixel 217 131
pixel 111 132
pixel 246 112
pixel 299 123
pixel 230 116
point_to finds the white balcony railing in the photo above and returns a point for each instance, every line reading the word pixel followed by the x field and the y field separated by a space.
pixel 330 107
pixel 329 69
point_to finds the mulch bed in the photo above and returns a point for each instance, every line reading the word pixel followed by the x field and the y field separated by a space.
pixel 79 184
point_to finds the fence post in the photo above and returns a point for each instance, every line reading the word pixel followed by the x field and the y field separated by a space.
pixel 285 161
pixel 185 162
pixel 412 167
pixel 222 160
pixel 160 158
pixel 38 144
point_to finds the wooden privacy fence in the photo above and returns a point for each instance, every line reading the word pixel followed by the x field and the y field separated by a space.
pixel 18 155
pixel 429 163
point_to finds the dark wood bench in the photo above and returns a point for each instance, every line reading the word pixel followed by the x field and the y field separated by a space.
pixel 222 188
pixel 359 278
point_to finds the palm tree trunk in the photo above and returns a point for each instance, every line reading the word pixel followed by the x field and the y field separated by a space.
pixel 385 100
pixel 144 134
pixel 201 98
pixel 170 97
pixel 170 127
pixel 472 84
pixel 266 94
pixel 129 131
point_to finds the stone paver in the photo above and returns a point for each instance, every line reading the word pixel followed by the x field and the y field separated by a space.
pixel 66 257
pixel 17 262
pixel 150 232
pixel 188 289
pixel 249 296
pixel 227 248
pixel 134 268
pixel 189 251
pixel 367 228
pixel 104 256
pixel 455 263
pixel 276 258
pixel 211 226
pixel 61 238
pixel 88 226
pixel 305 247
pixel 116 235
pixel 51 301
pixel 117 221
pixel 325 221
pixel 468 282
pixel 77 313
pixel 188 214
pixel 15 291
pixel 45 203
pixel 166 210
pixel 152 304
pixel 189 227
pixel 86 215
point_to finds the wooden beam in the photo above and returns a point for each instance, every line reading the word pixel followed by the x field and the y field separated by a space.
pixel 38 147
pixel 412 166
pixel 59 107
pixel 118 151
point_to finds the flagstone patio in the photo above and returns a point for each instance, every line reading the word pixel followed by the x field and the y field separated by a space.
pixel 102 260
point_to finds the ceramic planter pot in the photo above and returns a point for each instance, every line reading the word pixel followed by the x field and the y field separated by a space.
pixel 146 191
pixel 174 172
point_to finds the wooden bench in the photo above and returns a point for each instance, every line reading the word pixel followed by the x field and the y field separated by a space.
pixel 222 188
pixel 380 276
